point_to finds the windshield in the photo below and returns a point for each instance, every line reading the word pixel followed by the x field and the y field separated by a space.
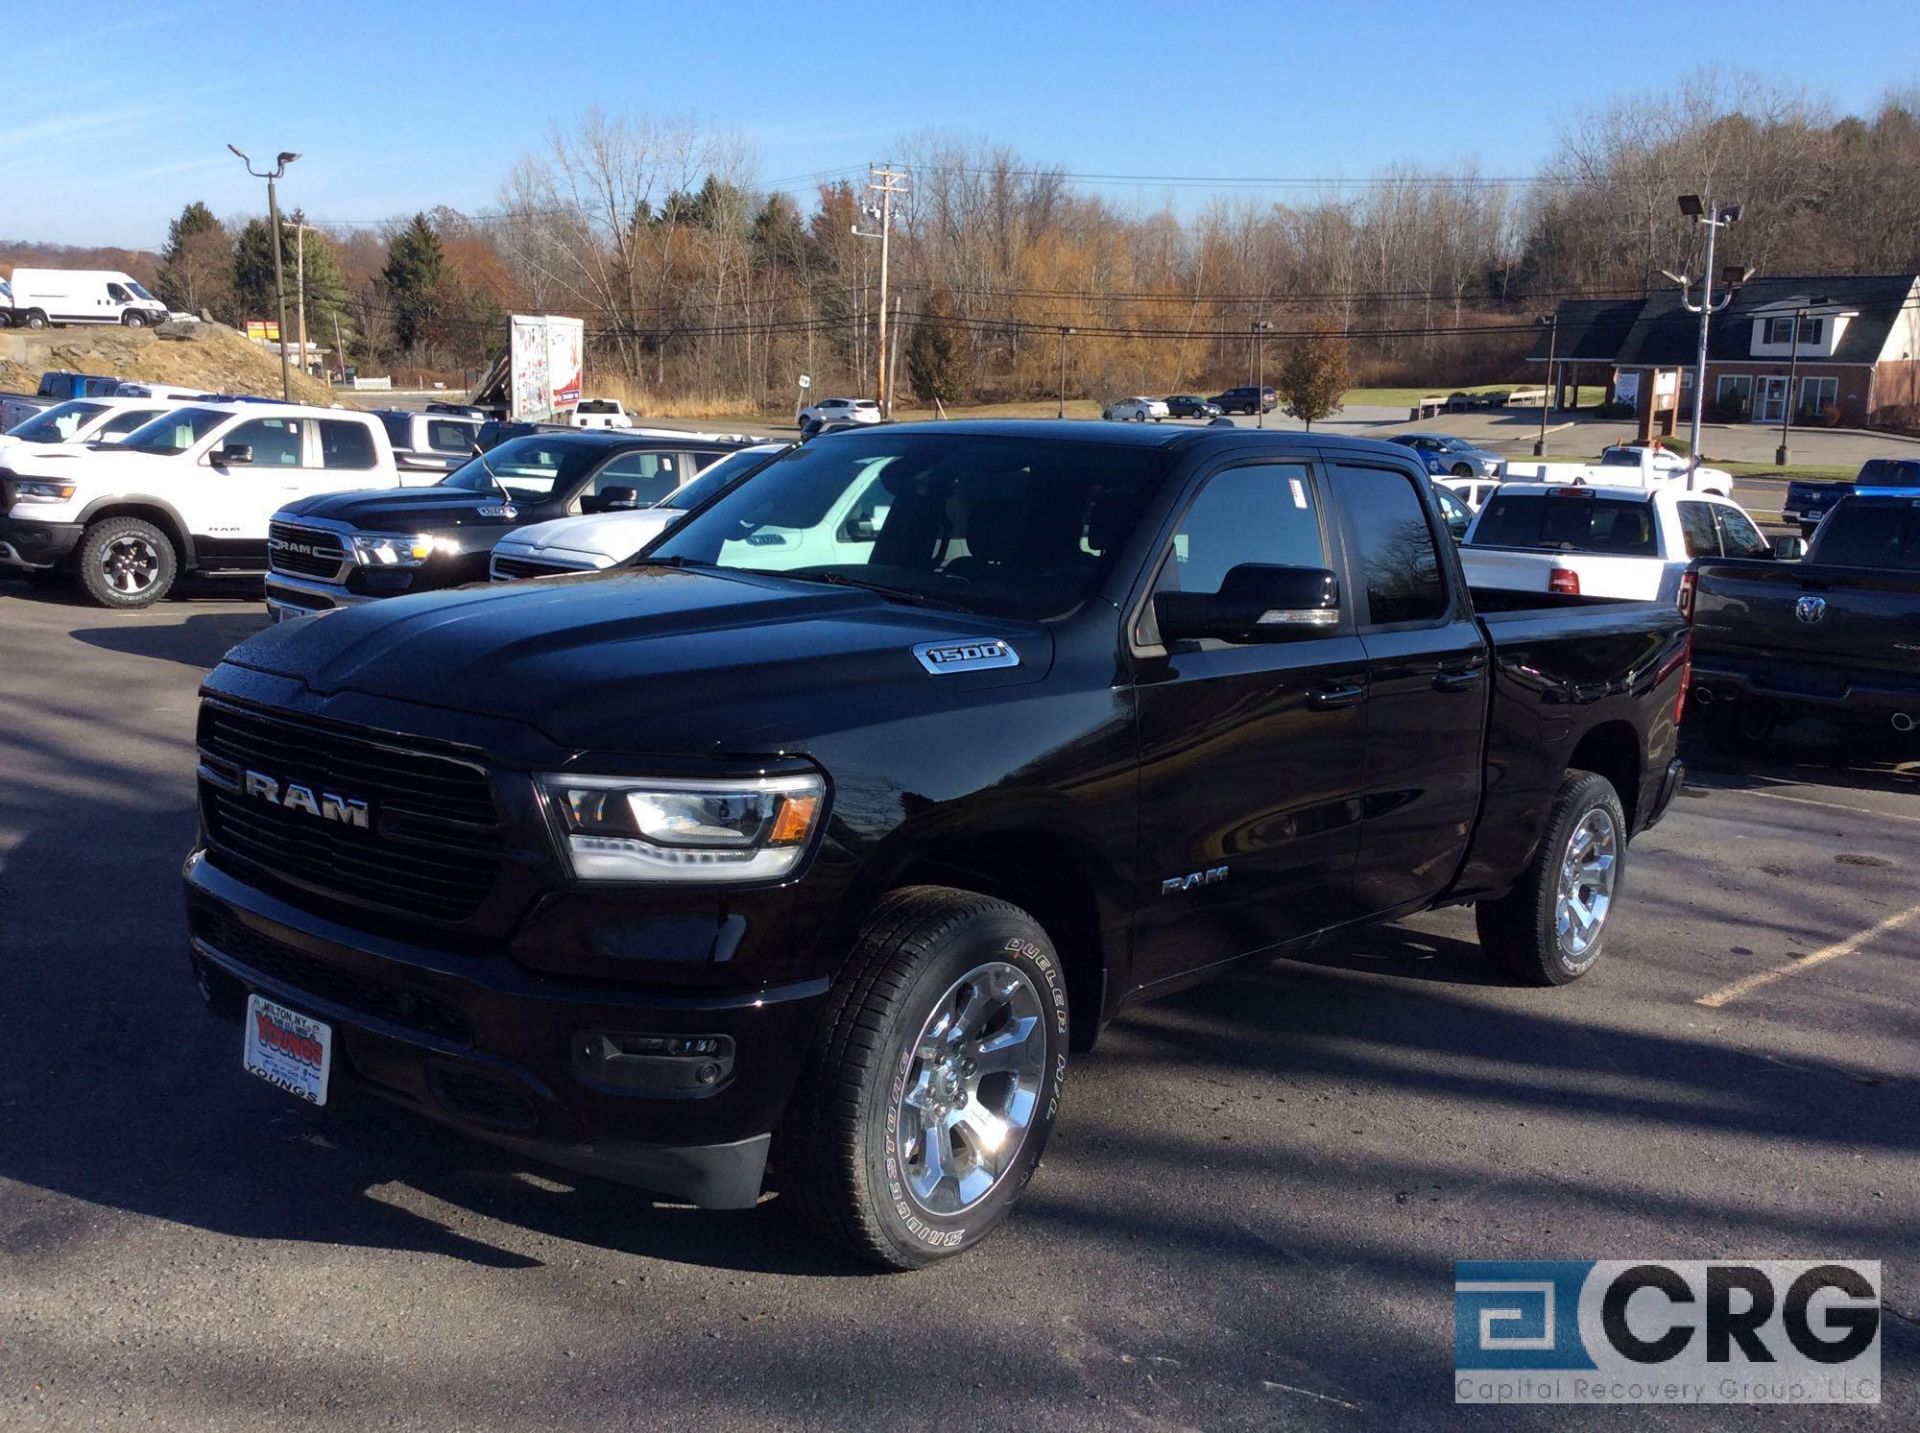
pixel 1871 535
pixel 531 469
pixel 174 432
pixel 718 477
pixel 1019 527
pixel 56 424
pixel 141 293
pixel 1553 522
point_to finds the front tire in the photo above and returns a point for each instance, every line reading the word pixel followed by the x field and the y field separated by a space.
pixel 126 563
pixel 1461 470
pixel 36 319
pixel 134 320
pixel 1551 928
pixel 933 1080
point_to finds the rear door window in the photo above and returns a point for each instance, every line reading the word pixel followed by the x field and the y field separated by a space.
pixel 1696 527
pixel 124 422
pixel 1390 547
pixel 346 444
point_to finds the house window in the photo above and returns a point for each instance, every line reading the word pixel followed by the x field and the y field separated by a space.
pixel 1779 330
pixel 1734 397
pixel 1811 330
pixel 1817 394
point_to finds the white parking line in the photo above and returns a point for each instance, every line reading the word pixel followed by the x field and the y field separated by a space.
pixel 1746 985
pixel 1809 801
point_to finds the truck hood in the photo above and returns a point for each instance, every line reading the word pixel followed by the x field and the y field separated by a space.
pixel 650 659
pixel 82 461
pixel 424 509
pixel 613 535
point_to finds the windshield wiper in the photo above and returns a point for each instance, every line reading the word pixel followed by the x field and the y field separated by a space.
pixel 840 579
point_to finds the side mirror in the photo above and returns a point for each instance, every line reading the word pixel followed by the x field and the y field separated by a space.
pixel 618 499
pixel 1256 603
pixel 232 456
pixel 1789 549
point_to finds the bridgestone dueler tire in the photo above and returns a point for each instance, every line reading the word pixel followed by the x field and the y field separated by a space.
pixel 1517 931
pixel 88 562
pixel 836 1151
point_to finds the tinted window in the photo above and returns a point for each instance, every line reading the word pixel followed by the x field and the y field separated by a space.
pixel 1021 527
pixel 1738 536
pixel 1457 514
pixel 529 468
pixel 1877 473
pixel 1267 513
pixel 445 437
pixel 1567 520
pixel 174 432
pixel 1696 526
pixel 714 477
pixel 1391 547
pixel 345 444
pixel 275 441
pixel 652 476
pixel 399 428
pixel 1878 535
pixel 55 424
pixel 126 421
pixel 118 294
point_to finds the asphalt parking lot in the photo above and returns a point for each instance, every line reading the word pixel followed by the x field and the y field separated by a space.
pixel 1248 1215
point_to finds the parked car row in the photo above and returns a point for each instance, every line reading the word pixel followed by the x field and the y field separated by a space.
pixel 1141 408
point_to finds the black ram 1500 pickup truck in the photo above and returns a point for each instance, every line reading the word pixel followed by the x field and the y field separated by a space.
pixel 1837 634
pixel 339 549
pixel 833 823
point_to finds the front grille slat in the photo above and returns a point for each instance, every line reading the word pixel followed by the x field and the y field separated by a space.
pixel 433 847
pixel 526 567
pixel 324 556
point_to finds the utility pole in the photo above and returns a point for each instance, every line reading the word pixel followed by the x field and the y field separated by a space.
pixel 883 181
pixel 1552 321
pixel 1261 328
pixel 1793 371
pixel 300 287
pixel 893 360
pixel 279 280
pixel 1715 219
pixel 1065 334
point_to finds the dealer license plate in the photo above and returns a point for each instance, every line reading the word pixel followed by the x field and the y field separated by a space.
pixel 288 1049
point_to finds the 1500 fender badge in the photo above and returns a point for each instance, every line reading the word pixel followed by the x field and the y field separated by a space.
pixel 966 656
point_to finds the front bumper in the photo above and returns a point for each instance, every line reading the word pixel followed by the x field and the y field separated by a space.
pixel 557 1069
pixel 289 596
pixel 25 543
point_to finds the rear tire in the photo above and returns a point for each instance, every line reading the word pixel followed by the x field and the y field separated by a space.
pixel 932 1082
pixel 126 563
pixel 1461 470
pixel 1551 928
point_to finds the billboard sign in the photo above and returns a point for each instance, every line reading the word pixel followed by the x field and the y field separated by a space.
pixel 546 358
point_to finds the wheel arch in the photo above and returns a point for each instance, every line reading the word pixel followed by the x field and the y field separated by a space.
pixel 162 515
pixel 1058 881
pixel 1612 749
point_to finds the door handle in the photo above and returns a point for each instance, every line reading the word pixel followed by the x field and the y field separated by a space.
pixel 1459 679
pixel 1328 697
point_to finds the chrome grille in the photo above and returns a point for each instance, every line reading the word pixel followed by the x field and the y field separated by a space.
pixel 510 567
pixel 306 551
pixel 432 844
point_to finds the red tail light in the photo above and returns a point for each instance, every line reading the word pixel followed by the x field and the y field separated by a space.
pixel 1564 580
pixel 1686 595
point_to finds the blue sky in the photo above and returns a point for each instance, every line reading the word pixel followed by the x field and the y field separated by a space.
pixel 114 116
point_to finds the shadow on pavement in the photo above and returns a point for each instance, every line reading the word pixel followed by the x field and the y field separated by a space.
pixel 199 640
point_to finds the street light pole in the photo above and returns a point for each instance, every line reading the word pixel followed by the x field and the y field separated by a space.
pixel 1715 219
pixel 1065 333
pixel 279 279
pixel 1552 321
pixel 1261 328
pixel 1793 370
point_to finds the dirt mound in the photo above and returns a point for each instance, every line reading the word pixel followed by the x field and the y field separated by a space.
pixel 208 356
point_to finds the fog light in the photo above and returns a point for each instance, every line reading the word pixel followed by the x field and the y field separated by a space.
pixel 653 1064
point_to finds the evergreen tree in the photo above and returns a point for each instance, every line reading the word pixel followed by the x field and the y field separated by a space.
pixel 415 271
pixel 196 269
pixel 253 292
pixel 936 361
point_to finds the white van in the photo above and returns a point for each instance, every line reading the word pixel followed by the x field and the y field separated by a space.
pixel 63 296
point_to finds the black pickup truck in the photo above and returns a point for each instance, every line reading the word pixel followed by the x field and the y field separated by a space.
pixel 735 851
pixel 1835 635
pixel 339 549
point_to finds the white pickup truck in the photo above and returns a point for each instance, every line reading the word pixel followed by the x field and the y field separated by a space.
pixel 192 491
pixel 1585 541
pixel 1625 466
pixel 597 413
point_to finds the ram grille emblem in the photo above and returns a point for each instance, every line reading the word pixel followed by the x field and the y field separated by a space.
pixel 326 806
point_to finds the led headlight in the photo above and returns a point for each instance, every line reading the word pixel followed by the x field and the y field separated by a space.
pixel 397 549
pixel 633 828
pixel 29 492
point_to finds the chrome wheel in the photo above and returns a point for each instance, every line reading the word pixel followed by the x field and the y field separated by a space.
pixel 972 1088
pixel 131 564
pixel 1588 870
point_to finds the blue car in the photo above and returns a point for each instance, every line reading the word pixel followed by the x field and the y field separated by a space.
pixel 1447 456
